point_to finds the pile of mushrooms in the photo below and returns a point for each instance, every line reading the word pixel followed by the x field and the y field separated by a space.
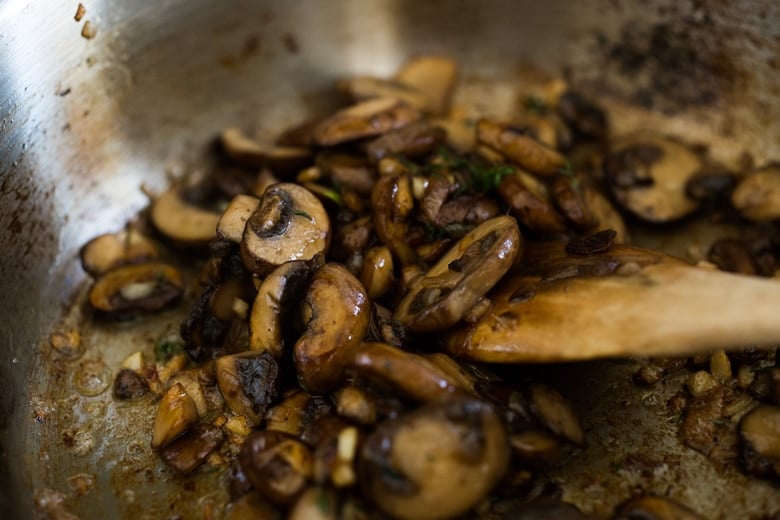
pixel 364 266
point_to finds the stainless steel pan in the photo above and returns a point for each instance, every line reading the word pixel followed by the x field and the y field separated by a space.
pixel 84 122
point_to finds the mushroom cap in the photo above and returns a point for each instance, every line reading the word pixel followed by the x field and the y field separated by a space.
pixel 290 223
pixel 436 462
pixel 366 119
pixel 648 175
pixel 757 196
pixel 337 313
pixel 136 288
pixel 441 297
pixel 182 222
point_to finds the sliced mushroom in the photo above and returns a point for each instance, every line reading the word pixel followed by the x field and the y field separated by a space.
pixel 336 312
pixel 362 88
pixel 569 195
pixel 536 448
pixel 233 221
pixel 367 119
pixel 605 213
pixel 289 224
pixel 176 414
pixel 655 508
pixel 272 321
pixel 129 384
pixel 534 211
pixel 181 221
pixel 435 76
pixel 517 145
pixel 413 140
pixel 625 301
pixel 136 289
pixel 356 405
pixel 392 202
pixel 256 154
pixel 648 175
pixel 460 133
pixel 296 413
pixel 555 413
pixel 190 451
pixel 278 465
pixel 347 170
pixel 441 297
pixel 759 431
pixel 377 271
pixel 436 462
pixel 757 196
pixel 103 253
pixel 249 382
pixel 409 374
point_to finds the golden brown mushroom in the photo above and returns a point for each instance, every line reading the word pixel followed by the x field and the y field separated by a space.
pixel 278 465
pixel 256 154
pixel 515 144
pixel 441 297
pixel 249 382
pixel 435 76
pixel 176 414
pixel 648 175
pixel 289 224
pixel 105 252
pixel 367 119
pixel 759 431
pixel 136 289
pixel 436 462
pixel 336 312
pixel 182 222
pixel 233 221
pixel 757 196
pixel 272 321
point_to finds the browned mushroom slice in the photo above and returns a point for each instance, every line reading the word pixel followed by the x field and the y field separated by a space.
pixel 625 301
pixel 256 154
pixel 105 252
pixel 605 213
pixel 515 144
pixel 336 312
pixel 757 196
pixel 233 221
pixel 435 76
pixel 461 277
pixel 136 289
pixel 414 139
pixel 289 224
pixel 377 271
pixel 410 374
pixel 555 413
pixel 759 431
pixel 278 465
pixel 392 201
pixel 273 311
pixel 249 382
pixel 532 211
pixel 366 119
pixel 176 414
pixel 181 221
pixel 230 299
pixel 362 88
pixel 356 405
pixel 347 170
pixel 569 195
pixel 536 448
pixel 655 508
pixel 436 462
pixel 191 450
pixel 460 133
pixel 648 175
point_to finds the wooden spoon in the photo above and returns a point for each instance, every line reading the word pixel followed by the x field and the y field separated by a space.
pixel 626 301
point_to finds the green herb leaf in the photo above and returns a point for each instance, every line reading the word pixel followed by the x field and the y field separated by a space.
pixel 165 349
pixel 302 213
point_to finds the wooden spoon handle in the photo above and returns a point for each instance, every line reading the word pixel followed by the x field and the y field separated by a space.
pixel 666 308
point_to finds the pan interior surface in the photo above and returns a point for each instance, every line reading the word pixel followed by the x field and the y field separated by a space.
pixel 85 122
